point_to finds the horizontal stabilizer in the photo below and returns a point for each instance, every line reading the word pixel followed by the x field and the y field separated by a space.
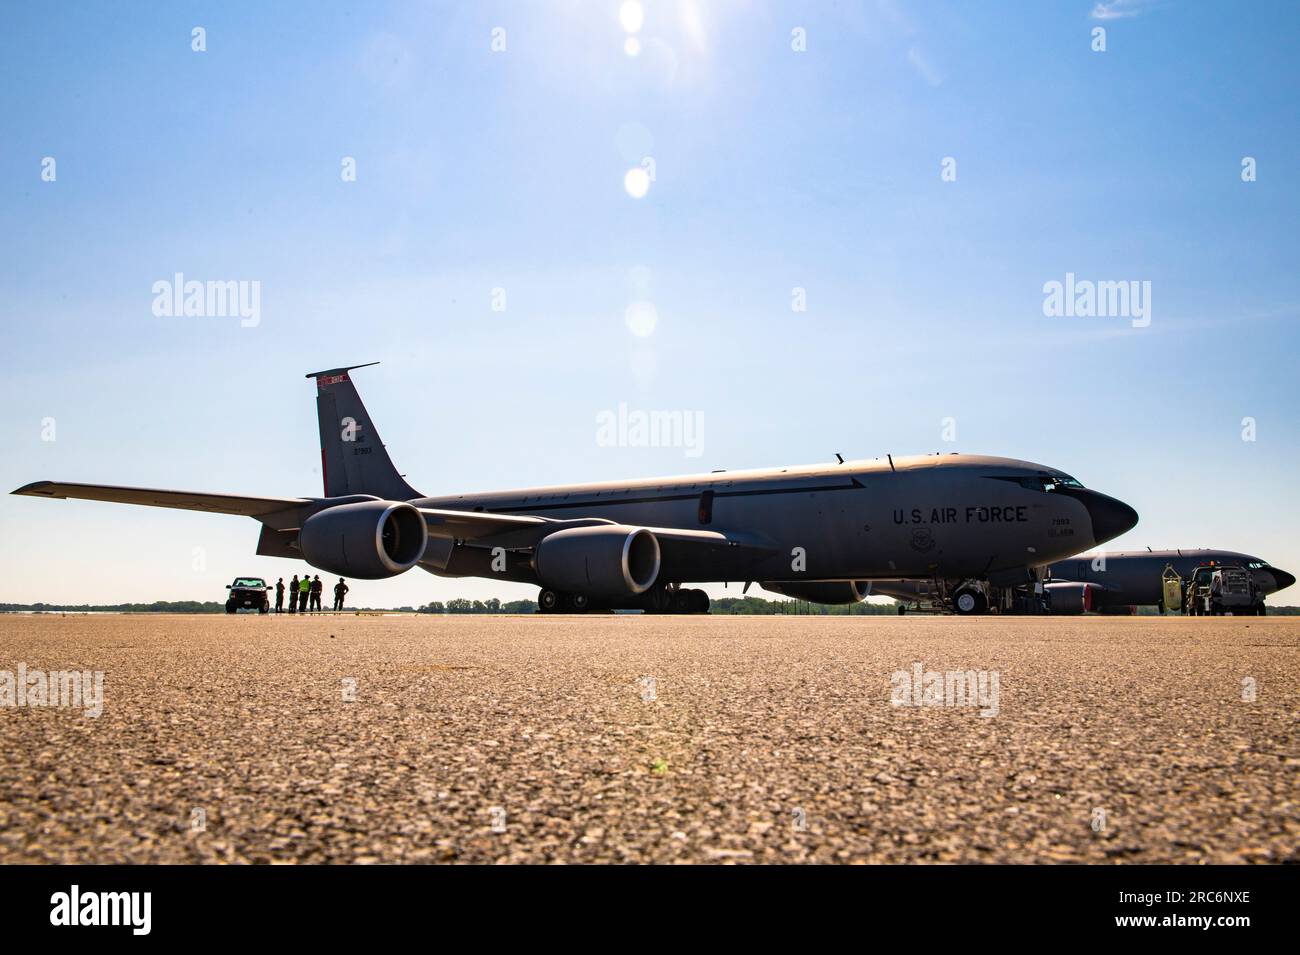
pixel 329 373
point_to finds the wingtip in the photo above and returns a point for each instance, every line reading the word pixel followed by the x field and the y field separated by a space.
pixel 338 371
pixel 35 488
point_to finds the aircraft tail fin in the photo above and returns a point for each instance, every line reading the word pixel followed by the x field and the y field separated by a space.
pixel 353 459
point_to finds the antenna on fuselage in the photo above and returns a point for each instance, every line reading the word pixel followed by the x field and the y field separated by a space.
pixel 839 457
pixel 891 462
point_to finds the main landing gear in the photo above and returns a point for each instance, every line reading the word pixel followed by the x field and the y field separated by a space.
pixel 661 598
pixel 968 600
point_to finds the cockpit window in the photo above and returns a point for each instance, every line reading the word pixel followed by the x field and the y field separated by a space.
pixel 1042 482
pixel 1061 480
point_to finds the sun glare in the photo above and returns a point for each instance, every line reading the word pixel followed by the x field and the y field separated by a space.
pixel 631 15
pixel 636 182
pixel 641 318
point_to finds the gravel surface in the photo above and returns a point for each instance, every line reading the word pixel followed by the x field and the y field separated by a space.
pixel 760 739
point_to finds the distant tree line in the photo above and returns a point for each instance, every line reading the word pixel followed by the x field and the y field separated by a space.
pixel 158 606
pixel 731 606
pixel 760 606
pixel 459 605
pixel 725 605
pixel 491 605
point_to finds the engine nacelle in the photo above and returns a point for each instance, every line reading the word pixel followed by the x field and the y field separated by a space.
pixel 822 591
pixel 369 540
pixel 1070 598
pixel 600 561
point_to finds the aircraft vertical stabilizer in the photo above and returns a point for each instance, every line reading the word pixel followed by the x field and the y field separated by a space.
pixel 353 459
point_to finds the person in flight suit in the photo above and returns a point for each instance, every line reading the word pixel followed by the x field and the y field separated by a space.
pixel 279 595
pixel 293 594
pixel 304 593
pixel 340 589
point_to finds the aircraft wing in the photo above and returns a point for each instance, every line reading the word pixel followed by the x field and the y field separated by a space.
pixel 283 515
pixel 701 549
pixel 521 530
pixel 686 550
pixel 184 500
pixel 1091 583
pixel 677 536
pixel 474 525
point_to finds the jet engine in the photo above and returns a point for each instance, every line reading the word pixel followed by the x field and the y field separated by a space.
pixel 369 540
pixel 822 591
pixel 1071 598
pixel 599 561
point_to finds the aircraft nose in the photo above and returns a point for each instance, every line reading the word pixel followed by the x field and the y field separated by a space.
pixel 1110 517
pixel 1284 580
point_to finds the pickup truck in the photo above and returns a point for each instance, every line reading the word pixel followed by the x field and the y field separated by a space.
pixel 248 593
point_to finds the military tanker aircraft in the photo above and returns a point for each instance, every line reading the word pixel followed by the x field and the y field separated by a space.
pixel 1116 582
pixel 817 532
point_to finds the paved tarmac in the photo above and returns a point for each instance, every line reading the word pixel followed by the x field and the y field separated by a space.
pixel 654 739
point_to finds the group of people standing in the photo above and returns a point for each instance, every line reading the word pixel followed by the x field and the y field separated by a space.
pixel 304 595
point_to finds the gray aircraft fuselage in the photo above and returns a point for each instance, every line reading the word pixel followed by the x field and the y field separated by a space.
pixel 948 516
pixel 1134 578
pixel 1123 578
pixel 957 515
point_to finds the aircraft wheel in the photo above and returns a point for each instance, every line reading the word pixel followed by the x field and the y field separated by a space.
pixel 967 602
pixel 581 602
pixel 657 599
pixel 902 610
pixel 681 602
pixel 699 601
pixel 548 601
pixel 1260 610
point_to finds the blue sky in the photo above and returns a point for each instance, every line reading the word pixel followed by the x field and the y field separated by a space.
pixel 774 170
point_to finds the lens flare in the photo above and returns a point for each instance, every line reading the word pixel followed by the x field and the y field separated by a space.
pixel 641 318
pixel 631 15
pixel 636 182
